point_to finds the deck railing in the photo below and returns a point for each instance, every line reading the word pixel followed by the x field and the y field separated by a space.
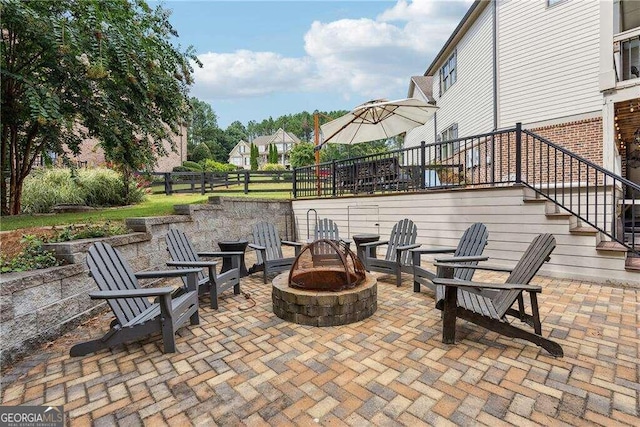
pixel 597 197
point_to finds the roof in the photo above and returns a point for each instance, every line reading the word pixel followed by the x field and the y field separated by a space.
pixel 279 136
pixel 425 85
pixel 467 20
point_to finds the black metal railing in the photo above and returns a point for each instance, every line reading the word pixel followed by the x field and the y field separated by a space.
pixel 479 160
pixel 597 197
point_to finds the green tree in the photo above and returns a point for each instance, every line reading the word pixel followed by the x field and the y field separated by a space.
pixel 200 153
pixel 253 157
pixel 340 151
pixel 203 124
pixel 273 154
pixel 302 154
pixel 72 69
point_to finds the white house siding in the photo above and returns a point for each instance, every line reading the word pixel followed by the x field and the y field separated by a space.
pixel 442 217
pixel 469 101
pixel 547 69
pixel 422 133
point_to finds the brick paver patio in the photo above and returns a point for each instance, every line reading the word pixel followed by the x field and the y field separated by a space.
pixel 250 367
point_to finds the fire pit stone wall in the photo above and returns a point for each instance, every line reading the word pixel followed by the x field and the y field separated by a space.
pixel 324 308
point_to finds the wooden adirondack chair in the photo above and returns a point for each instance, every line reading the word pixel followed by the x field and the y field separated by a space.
pixel 268 247
pixel 327 229
pixel 183 255
pixel 136 317
pixel 398 258
pixel 470 246
pixel 466 300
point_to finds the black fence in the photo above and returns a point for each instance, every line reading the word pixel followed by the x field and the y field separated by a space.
pixel 244 181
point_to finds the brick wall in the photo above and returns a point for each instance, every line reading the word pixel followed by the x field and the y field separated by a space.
pixel 91 153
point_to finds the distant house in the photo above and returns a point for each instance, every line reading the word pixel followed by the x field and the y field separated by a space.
pixel 284 142
pixel 91 154
pixel 567 70
pixel 240 154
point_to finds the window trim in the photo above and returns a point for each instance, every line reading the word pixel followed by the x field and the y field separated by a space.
pixel 554 3
pixel 452 73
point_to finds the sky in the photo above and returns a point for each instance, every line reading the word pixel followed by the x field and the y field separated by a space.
pixel 265 59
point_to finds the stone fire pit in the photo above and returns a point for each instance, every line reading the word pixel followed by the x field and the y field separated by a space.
pixel 324 308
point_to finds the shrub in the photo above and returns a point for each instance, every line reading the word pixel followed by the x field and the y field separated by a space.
pixel 213 166
pixel 32 257
pixel 45 188
pixel 88 231
pixel 192 166
pixel 271 167
pixel 180 169
pixel 200 153
pixel 48 187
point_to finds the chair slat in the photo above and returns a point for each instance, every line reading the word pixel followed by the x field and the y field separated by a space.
pixel 111 272
pixel 528 266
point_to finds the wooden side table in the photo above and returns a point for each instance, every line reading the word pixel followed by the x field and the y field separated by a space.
pixel 361 239
pixel 234 246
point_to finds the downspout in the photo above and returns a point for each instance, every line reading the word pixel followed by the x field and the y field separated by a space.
pixel 495 64
pixel 435 127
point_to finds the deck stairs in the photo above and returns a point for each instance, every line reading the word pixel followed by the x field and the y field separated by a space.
pixel 602 243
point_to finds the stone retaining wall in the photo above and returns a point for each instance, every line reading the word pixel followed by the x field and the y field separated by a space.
pixel 40 305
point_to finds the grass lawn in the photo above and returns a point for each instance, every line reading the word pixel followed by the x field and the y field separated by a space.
pixel 154 205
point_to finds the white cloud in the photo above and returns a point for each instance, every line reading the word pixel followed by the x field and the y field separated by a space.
pixel 245 73
pixel 360 58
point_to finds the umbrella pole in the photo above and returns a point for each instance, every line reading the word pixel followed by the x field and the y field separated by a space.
pixel 316 133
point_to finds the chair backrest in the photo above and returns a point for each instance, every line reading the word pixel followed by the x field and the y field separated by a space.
pixel 181 249
pixel 472 243
pixel 266 234
pixel 326 229
pixel 532 259
pixel 112 273
pixel 403 233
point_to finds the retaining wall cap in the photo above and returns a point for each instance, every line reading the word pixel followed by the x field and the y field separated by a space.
pixel 144 223
pixel 83 245
pixel 13 282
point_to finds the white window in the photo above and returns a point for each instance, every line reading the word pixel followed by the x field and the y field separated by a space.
pixel 444 151
pixel 473 157
pixel 263 148
pixel 553 2
pixel 242 149
pixel 246 161
pixel 448 73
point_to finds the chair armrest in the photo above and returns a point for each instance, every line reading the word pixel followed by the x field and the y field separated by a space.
pixel 131 293
pixel 219 254
pixel 347 241
pixel 475 267
pixel 290 243
pixel 373 244
pixel 480 285
pixel 257 247
pixel 166 273
pixel 461 259
pixel 433 250
pixel 408 247
pixel 192 263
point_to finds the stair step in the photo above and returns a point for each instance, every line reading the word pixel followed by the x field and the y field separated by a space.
pixel 527 199
pixel 584 230
pixel 558 215
pixel 632 264
pixel 611 247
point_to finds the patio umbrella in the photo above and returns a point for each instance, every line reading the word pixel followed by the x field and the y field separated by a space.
pixel 378 119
